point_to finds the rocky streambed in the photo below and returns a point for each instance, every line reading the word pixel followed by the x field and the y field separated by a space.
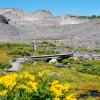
pixel 86 56
pixel 16 65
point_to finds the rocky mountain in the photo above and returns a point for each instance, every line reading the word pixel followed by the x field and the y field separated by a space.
pixel 12 13
pixel 41 15
pixel 69 30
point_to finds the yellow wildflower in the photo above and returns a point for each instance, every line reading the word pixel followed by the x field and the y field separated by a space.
pixel 71 97
pixel 56 98
pixel 20 76
pixel 29 90
pixel 66 87
pixel 53 88
pixel 32 85
pixel 58 93
pixel 28 76
pixel 59 89
pixel 22 86
pixel 40 74
pixel 55 82
pixel 56 88
pixel 9 81
pixel 25 72
pixel 3 93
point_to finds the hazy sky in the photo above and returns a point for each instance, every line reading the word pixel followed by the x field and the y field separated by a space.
pixel 57 7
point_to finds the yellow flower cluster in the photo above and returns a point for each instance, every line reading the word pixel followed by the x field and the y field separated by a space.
pixel 9 81
pixel 25 81
pixel 26 75
pixel 58 89
pixel 12 81
pixel 30 85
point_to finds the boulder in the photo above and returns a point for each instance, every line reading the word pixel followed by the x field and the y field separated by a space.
pixel 3 19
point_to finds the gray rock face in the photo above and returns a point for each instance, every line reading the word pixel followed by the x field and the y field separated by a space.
pixel 69 19
pixel 67 29
pixel 3 19
pixel 86 56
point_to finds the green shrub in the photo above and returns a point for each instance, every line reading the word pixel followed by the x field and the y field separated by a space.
pixel 91 69
pixel 66 61
pixel 5 65
pixel 21 53
pixel 84 66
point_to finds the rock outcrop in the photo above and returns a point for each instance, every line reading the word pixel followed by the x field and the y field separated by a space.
pixel 12 13
pixel 3 19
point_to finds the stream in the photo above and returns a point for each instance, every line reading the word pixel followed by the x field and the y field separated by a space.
pixel 16 65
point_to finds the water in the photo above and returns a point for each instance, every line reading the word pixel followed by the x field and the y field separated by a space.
pixel 17 64
pixel 91 94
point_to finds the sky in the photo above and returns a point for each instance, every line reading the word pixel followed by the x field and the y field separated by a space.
pixel 57 7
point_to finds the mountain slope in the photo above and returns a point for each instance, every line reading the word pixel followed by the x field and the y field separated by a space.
pixel 73 30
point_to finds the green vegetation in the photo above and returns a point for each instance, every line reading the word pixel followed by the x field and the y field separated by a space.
pixel 47 49
pixel 83 76
pixel 84 66
pixel 15 50
pixel 92 67
pixel 66 61
pixel 96 50
pixel 4 65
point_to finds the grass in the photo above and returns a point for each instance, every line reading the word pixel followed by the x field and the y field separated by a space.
pixel 81 82
pixel 84 66
pixel 4 56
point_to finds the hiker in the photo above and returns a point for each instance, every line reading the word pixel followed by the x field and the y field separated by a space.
pixel 35 49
